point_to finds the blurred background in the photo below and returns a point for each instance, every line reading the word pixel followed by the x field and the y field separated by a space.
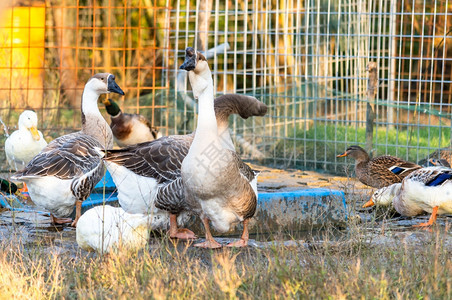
pixel 305 59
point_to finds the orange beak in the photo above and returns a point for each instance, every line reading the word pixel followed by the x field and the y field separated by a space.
pixel 369 203
pixel 107 102
pixel 343 154
pixel 35 133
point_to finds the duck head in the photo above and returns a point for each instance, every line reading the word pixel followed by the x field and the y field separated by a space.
pixel 112 107
pixel 355 152
pixel 384 196
pixel 199 72
pixel 28 120
pixel 103 83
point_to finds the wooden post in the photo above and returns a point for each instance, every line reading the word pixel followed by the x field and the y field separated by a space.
pixel 370 115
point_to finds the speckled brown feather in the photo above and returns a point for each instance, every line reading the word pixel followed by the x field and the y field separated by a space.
pixel 445 154
pixel 376 172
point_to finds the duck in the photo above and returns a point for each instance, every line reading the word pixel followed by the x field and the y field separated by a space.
pixel 8 187
pixel 148 177
pixel 65 172
pixel 25 143
pixel 219 187
pixel 424 190
pixel 129 129
pixel 105 228
pixel 380 171
pixel 443 155
pixel 436 162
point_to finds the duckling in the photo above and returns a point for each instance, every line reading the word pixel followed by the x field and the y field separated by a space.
pixel 129 129
pixel 424 190
pixel 105 228
pixel 24 144
pixel 380 171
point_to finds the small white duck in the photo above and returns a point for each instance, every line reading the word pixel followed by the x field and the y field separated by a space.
pixel 425 190
pixel 105 228
pixel 24 144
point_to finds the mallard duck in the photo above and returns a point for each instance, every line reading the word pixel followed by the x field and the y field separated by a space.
pixel 148 176
pixel 218 185
pixel 432 162
pixel 106 228
pixel 129 129
pixel 24 144
pixel 443 155
pixel 65 172
pixel 380 171
pixel 7 186
pixel 424 190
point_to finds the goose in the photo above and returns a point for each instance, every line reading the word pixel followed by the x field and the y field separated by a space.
pixel 129 129
pixel 105 228
pixel 380 171
pixel 424 190
pixel 218 185
pixel 25 143
pixel 64 173
pixel 147 175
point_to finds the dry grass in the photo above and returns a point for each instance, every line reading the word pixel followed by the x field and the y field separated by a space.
pixel 349 268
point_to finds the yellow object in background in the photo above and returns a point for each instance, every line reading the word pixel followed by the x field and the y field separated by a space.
pixel 22 38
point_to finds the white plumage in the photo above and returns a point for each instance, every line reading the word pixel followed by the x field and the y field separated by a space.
pixel 25 143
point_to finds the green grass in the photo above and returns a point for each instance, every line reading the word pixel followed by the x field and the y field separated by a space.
pixel 321 144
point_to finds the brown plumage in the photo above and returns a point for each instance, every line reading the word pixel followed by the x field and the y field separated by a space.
pixel 380 171
pixel 443 156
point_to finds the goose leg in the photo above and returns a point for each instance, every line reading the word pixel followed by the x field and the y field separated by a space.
pixel 431 220
pixel 56 220
pixel 210 242
pixel 243 242
pixel 78 212
pixel 179 233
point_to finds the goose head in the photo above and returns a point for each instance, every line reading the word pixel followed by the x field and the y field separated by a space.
pixel 356 152
pixel 199 72
pixel 103 83
pixel 28 120
pixel 384 196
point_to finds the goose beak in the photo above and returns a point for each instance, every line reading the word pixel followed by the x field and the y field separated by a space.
pixel 35 133
pixel 342 154
pixel 190 60
pixel 369 203
pixel 113 87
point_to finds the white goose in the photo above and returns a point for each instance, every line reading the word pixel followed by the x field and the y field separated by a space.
pixel 24 144
pixel 107 228
pixel 425 190
pixel 148 176
pixel 216 181
pixel 64 173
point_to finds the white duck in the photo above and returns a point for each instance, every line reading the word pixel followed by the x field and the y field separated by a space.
pixel 425 190
pixel 148 176
pixel 64 173
pixel 106 228
pixel 217 183
pixel 24 144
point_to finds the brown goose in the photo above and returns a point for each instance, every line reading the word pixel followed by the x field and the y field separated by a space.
pixel 218 185
pixel 380 171
pixel 64 173
pixel 147 175
pixel 129 129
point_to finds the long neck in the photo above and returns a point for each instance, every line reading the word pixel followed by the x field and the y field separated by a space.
pixel 93 123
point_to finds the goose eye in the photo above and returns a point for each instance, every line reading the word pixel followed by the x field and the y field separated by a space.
pixel 102 78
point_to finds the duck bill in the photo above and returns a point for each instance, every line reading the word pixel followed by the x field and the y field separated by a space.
pixel 369 203
pixel 342 154
pixel 106 102
pixel 35 133
pixel 113 87
pixel 190 60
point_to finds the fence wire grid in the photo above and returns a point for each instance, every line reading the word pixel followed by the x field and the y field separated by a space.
pixel 306 60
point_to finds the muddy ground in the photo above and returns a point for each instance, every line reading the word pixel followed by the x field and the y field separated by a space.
pixel 375 227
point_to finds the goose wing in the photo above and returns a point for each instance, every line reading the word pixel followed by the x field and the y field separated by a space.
pixel 66 157
pixel 160 159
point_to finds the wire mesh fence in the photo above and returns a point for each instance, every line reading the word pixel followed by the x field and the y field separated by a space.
pixel 306 60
